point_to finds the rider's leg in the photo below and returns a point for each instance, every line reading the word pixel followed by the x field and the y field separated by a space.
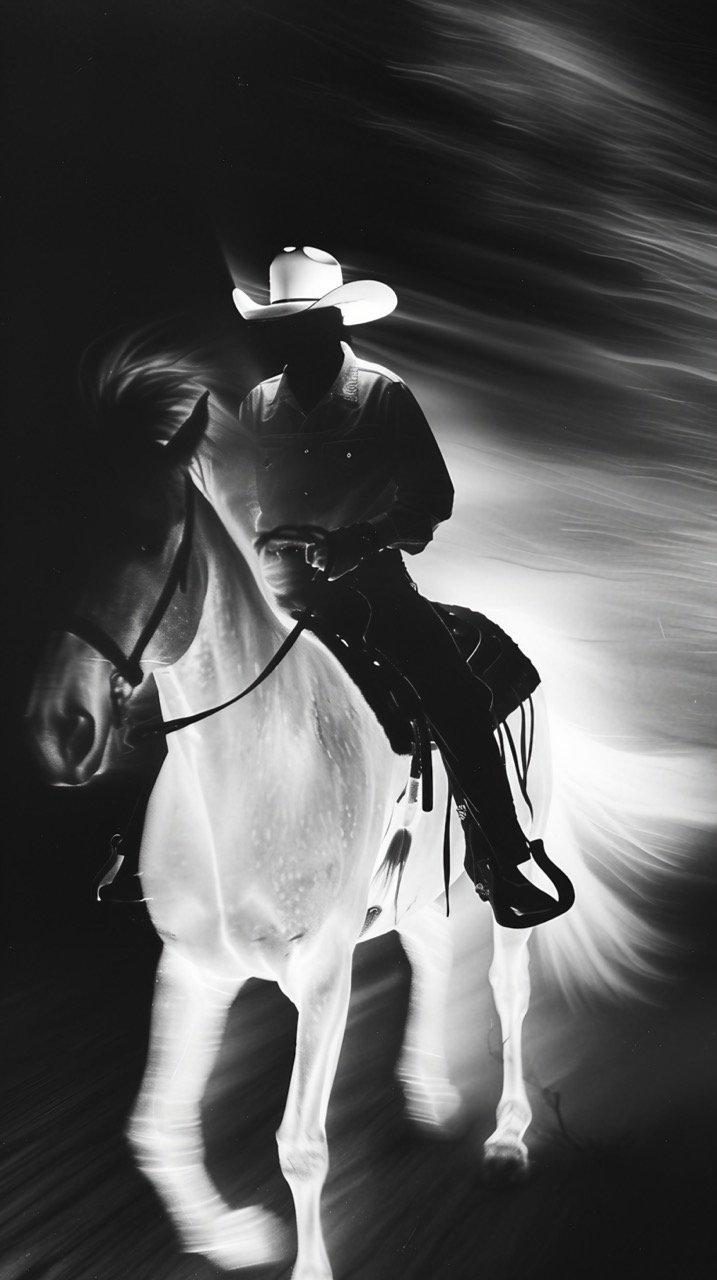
pixel 458 708
pixel 380 605
pixel 406 628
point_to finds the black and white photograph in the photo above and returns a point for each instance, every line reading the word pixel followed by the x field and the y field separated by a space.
pixel 359 870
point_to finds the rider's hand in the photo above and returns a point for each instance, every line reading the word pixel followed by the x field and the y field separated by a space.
pixel 317 555
pixel 343 549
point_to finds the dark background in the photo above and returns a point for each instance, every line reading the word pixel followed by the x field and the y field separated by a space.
pixel 148 144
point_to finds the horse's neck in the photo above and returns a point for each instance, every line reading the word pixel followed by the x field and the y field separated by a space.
pixel 237 623
pixel 238 636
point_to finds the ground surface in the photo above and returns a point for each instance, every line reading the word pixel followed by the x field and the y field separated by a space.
pixel 626 1189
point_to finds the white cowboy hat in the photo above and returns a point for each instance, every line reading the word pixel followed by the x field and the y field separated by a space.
pixel 306 279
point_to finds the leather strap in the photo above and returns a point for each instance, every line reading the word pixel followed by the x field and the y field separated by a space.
pixel 288 534
pixel 140 733
pixel 128 665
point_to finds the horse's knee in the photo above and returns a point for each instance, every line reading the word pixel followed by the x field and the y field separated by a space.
pixel 304 1158
pixel 147 1142
pixel 160 1138
pixel 146 1136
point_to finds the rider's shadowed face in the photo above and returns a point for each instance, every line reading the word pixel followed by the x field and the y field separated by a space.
pixel 304 341
pixel 308 346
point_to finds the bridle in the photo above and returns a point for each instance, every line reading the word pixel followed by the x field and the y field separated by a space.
pixel 126 674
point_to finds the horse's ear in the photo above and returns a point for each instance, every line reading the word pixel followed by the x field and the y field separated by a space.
pixel 184 442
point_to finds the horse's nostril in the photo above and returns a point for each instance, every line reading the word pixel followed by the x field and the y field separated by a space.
pixel 79 736
pixel 64 746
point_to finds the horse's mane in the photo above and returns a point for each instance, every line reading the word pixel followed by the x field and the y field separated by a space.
pixel 134 386
pixel 137 386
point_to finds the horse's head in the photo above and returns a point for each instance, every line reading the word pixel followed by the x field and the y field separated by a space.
pixel 139 603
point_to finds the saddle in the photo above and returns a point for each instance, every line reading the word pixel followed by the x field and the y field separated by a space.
pixel 491 654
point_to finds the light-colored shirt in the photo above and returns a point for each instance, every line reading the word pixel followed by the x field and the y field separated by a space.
pixel 365 452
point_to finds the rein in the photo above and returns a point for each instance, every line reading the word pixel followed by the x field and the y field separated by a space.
pixel 288 534
pixel 141 733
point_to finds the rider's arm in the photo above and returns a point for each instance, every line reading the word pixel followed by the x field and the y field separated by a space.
pixel 423 493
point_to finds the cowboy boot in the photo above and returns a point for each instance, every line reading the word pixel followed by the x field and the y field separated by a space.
pixel 515 901
pixel 496 848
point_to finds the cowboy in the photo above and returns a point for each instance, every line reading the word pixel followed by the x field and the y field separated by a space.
pixel 343 445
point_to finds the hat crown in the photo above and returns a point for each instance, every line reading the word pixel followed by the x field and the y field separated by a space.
pixel 303 274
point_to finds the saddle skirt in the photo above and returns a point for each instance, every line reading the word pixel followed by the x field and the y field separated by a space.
pixel 493 656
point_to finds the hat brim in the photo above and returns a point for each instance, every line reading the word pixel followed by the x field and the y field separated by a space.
pixel 359 301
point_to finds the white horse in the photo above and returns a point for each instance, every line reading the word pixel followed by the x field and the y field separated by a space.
pixel 263 855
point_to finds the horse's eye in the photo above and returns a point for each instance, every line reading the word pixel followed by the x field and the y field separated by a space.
pixel 149 547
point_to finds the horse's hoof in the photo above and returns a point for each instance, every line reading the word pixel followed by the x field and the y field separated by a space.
pixel 240 1238
pixel 505 1164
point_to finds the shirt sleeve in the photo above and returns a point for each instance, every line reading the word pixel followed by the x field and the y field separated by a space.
pixel 423 494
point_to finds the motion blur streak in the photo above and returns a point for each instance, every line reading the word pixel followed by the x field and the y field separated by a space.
pixel 540 70
pixel 551 129
pixel 578 424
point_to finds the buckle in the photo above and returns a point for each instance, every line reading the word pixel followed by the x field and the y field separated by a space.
pixel 120 693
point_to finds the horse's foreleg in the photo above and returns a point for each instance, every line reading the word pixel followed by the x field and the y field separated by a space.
pixel 320 986
pixel 188 1020
pixel 431 1099
pixel 505 1155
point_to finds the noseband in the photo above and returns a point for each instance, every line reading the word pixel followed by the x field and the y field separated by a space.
pixel 127 674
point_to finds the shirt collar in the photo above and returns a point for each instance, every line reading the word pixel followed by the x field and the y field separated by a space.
pixel 344 386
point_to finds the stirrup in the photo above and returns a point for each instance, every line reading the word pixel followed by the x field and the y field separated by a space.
pixel 537 907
